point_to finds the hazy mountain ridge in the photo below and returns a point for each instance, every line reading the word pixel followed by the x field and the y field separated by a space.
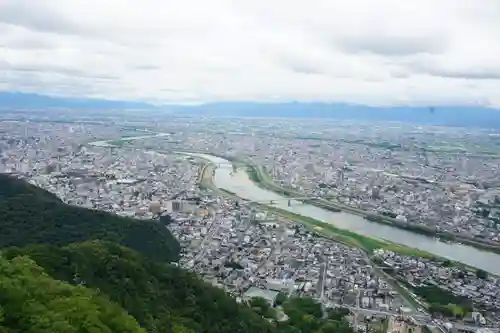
pixel 467 116
pixel 29 100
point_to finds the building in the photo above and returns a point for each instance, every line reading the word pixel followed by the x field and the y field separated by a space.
pixel 177 206
pixel 173 206
pixel 166 219
pixel 340 176
pixel 401 325
pixel 268 295
pixel 155 207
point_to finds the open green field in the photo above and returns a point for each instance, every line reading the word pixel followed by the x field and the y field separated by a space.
pixel 119 142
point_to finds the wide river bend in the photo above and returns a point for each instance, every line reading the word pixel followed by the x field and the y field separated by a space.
pixel 240 184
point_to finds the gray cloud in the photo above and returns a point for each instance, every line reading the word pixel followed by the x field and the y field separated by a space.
pixel 470 74
pixel 36 16
pixel 301 67
pixel 437 68
pixel 147 67
pixel 196 50
pixel 52 69
pixel 29 44
pixel 393 45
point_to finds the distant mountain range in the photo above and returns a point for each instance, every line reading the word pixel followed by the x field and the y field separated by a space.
pixel 468 116
pixel 445 115
pixel 28 101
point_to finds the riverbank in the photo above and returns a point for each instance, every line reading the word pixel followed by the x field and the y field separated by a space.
pixel 324 229
pixel 258 175
pixel 239 184
pixel 262 179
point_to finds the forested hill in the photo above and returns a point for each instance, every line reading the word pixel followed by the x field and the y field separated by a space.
pixel 33 302
pixel 162 298
pixel 68 269
pixel 10 187
pixel 30 215
pixel 65 269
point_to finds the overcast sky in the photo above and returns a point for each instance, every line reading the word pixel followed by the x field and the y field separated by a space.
pixel 364 51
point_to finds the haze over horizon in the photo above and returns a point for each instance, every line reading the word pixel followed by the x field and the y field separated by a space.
pixel 161 52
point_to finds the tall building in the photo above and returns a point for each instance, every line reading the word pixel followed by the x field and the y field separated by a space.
pixel 51 167
pixel 155 207
pixel 176 206
pixel 26 124
pixel 173 206
pixel 340 176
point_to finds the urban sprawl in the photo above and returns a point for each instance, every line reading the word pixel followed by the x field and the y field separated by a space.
pixel 135 165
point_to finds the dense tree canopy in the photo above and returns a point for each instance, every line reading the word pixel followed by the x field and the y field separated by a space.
pixel 29 215
pixel 32 301
pixel 69 269
pixel 156 294
pixel 444 302
pixel 11 187
pixel 481 274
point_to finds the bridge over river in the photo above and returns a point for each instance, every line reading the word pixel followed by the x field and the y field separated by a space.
pixel 240 184
pixel 289 201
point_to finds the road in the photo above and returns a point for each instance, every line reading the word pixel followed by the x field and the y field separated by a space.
pixel 275 248
pixel 322 279
pixel 214 226
pixel 406 297
pixel 419 318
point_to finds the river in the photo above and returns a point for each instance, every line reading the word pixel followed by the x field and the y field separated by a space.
pixel 240 184
pixel 106 143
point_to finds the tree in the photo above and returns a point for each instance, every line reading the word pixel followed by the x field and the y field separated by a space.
pixel 158 295
pixel 119 283
pixel 261 306
pixel 30 215
pixel 481 274
pixel 447 263
pixel 281 298
pixel 329 327
pixel 289 329
pixel 308 323
pixel 303 306
pixel 31 301
pixel 337 314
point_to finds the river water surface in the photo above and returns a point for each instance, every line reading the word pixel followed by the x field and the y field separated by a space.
pixel 240 184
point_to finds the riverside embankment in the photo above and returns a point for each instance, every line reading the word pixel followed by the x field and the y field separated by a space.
pixel 259 176
pixel 239 184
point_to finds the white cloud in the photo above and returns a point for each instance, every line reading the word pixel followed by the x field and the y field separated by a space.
pixel 364 51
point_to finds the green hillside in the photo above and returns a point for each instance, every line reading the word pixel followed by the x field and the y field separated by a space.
pixel 158 295
pixel 33 302
pixel 29 215
pixel 11 186
pixel 69 269
pixel 124 260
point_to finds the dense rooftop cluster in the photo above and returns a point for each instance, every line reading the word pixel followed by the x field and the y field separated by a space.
pixel 442 178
